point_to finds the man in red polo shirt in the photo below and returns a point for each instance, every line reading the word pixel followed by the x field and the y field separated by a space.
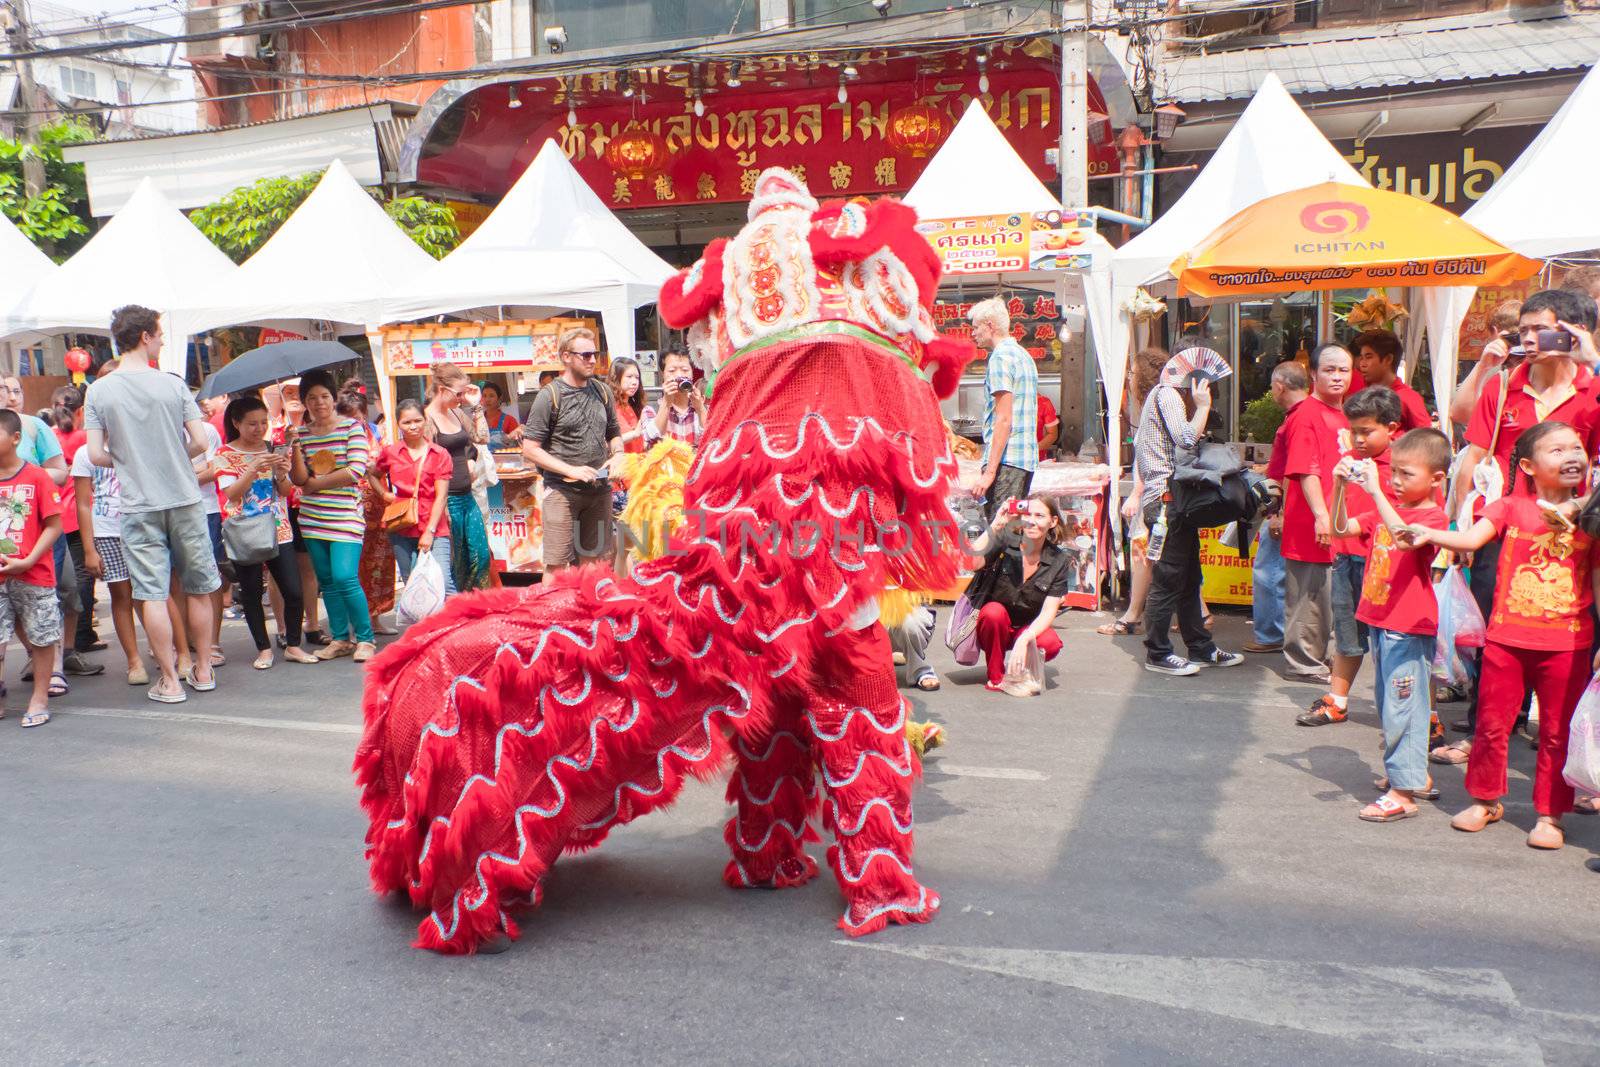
pixel 1318 436
pixel 1378 362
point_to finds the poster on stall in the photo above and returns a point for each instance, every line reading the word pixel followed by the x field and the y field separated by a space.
pixel 472 353
pixel 987 244
pixel 1224 577
pixel 1082 540
pixel 516 534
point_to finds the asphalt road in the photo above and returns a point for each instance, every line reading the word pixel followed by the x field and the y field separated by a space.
pixel 1135 869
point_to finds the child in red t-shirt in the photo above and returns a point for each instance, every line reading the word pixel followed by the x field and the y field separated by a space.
pixel 1398 605
pixel 1374 415
pixel 30 522
pixel 1540 629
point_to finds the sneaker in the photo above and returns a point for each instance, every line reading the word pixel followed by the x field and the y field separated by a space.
pixel 1173 664
pixel 1219 658
pixel 1323 713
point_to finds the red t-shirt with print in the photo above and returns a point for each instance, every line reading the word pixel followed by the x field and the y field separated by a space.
pixel 1318 436
pixel 1397 593
pixel 1357 501
pixel 1542 591
pixel 70 443
pixel 27 499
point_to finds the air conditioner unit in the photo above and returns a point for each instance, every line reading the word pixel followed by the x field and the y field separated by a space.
pixel 211 19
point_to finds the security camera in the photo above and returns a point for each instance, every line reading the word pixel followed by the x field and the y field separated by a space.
pixel 881 7
pixel 555 38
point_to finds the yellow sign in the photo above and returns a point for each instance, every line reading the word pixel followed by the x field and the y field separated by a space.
pixel 1224 577
pixel 988 244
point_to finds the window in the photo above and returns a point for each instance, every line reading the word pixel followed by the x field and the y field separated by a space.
pixel 618 23
pixel 79 83
pixel 823 12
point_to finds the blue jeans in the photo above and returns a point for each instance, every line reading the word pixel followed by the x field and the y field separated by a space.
pixel 405 553
pixel 1266 598
pixel 1403 662
pixel 1349 632
pixel 338 567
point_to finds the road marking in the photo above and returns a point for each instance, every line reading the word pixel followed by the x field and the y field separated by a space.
pixel 1013 774
pixel 1455 1013
pixel 153 715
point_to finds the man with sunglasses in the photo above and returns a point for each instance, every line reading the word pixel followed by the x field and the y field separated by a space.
pixel 572 436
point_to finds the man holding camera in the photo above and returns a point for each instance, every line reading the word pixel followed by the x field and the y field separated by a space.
pixel 572 436
pixel 681 415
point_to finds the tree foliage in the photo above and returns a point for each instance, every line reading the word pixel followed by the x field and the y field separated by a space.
pixel 242 221
pixel 57 219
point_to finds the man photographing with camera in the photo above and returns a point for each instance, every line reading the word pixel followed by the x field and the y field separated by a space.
pixel 681 415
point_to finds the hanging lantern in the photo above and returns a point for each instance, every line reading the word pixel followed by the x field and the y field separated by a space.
pixel 636 153
pixel 78 360
pixel 918 129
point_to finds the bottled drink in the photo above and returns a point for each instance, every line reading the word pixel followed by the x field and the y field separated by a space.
pixel 1158 536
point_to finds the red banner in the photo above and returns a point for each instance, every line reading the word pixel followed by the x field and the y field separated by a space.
pixel 841 149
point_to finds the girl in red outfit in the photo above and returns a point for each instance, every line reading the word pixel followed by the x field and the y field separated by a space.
pixel 1540 630
pixel 1031 576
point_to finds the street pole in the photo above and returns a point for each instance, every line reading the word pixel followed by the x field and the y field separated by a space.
pixel 1073 161
pixel 32 163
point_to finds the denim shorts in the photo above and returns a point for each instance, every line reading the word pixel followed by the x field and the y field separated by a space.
pixel 1349 633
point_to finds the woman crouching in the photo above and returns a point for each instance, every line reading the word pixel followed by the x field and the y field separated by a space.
pixel 1032 572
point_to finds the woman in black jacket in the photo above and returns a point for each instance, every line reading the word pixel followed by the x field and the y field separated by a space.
pixel 1030 575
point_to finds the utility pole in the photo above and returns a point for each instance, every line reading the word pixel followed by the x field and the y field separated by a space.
pixel 1073 161
pixel 21 41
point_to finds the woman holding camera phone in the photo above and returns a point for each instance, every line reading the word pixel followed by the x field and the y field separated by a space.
pixel 1031 576
pixel 681 415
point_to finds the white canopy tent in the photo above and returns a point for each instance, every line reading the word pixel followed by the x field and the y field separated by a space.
pixel 1543 206
pixel 147 254
pixel 551 244
pixel 947 190
pixel 22 266
pixel 338 258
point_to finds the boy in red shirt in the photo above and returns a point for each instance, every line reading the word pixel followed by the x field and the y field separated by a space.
pixel 1374 415
pixel 1378 360
pixel 1398 604
pixel 1317 437
pixel 30 522
pixel 1541 625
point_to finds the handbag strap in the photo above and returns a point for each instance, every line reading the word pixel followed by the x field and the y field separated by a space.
pixel 416 490
pixel 1500 411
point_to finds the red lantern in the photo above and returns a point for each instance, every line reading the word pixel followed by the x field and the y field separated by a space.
pixel 78 360
pixel 918 129
pixel 637 153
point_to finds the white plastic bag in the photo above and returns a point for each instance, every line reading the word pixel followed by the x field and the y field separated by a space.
pixel 424 591
pixel 1582 771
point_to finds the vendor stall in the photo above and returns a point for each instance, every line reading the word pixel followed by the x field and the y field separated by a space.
pixel 517 356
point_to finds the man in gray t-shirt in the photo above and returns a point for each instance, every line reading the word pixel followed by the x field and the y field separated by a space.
pixel 143 423
pixel 571 435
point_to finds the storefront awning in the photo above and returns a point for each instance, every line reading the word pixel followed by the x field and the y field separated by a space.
pixel 192 169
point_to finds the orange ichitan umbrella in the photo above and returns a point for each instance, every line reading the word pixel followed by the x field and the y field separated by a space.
pixel 1335 236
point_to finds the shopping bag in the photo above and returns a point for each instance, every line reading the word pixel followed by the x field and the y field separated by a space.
pixel 961 632
pixel 424 591
pixel 1458 615
pixel 1583 742
pixel 1025 679
pixel 1470 631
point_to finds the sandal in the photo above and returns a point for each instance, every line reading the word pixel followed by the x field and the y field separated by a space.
pixel 159 697
pixel 319 638
pixel 1587 805
pixel 1453 754
pixel 1473 819
pixel 1119 628
pixel 1430 793
pixel 924 675
pixel 1386 809
pixel 58 684
pixel 197 685
pixel 35 718
pixel 1546 834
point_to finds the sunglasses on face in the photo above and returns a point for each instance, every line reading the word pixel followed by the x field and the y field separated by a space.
pixel 585 355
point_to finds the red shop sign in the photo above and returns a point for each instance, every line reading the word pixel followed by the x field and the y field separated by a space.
pixel 839 149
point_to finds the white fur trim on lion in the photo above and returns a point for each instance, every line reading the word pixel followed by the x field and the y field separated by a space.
pixel 779 189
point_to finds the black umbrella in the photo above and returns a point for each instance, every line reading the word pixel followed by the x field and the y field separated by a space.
pixel 273 363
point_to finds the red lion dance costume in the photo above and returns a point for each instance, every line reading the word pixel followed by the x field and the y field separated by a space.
pixel 519 724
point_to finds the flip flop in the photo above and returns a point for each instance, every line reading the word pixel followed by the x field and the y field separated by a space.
pixel 35 718
pixel 1386 809
pixel 58 684
pixel 1453 754
pixel 1118 628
